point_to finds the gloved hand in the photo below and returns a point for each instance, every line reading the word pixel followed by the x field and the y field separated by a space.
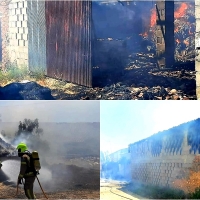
pixel 19 181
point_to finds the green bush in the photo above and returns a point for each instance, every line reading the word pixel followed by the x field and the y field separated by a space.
pixel 195 195
pixel 38 73
pixel 155 191
pixel 13 73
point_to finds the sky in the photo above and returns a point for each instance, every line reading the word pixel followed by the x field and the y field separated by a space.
pixel 126 122
pixel 50 111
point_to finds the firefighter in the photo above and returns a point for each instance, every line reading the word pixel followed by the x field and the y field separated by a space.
pixel 26 171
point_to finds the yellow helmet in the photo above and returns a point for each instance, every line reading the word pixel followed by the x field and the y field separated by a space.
pixel 22 147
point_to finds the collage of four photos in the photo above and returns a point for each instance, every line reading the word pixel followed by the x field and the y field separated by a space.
pixel 79 80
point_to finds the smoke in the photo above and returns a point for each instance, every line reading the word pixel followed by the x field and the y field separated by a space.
pixel 11 169
pixel 61 145
pixel 148 163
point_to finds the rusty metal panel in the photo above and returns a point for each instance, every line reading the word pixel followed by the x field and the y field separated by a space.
pixel 68 29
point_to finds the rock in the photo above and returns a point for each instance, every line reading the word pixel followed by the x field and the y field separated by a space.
pixel 136 90
pixel 140 95
pixel 25 91
pixel 163 92
pixel 175 97
pixel 173 91
pixel 158 98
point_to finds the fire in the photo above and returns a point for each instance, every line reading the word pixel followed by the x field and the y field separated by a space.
pixel 186 42
pixel 144 34
pixel 153 18
pixel 180 12
pixel 176 30
pixel 178 41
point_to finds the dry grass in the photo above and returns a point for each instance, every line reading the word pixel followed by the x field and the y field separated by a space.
pixel 189 184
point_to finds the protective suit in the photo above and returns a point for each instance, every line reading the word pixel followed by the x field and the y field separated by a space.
pixel 27 171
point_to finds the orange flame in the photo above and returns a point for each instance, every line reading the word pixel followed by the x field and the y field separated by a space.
pixel 176 30
pixel 178 41
pixel 186 42
pixel 180 12
pixel 153 18
pixel 144 34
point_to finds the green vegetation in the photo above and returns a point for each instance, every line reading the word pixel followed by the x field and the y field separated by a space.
pixel 195 195
pixel 38 73
pixel 158 192
pixel 13 73
pixel 154 191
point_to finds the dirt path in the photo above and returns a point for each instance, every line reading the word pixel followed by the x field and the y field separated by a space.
pixel 110 190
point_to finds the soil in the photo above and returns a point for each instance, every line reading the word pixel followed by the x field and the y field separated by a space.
pixel 111 189
pixel 67 182
pixel 134 84
pixel 9 192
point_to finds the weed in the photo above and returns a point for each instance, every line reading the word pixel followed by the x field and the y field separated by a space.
pixel 38 73
pixel 155 191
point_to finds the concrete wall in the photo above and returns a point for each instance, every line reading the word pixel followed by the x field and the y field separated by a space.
pixel 4 27
pixel 23 33
pixel 166 157
pixel 18 32
pixel 116 165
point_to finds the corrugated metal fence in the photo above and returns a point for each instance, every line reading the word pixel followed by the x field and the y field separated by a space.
pixel 68 41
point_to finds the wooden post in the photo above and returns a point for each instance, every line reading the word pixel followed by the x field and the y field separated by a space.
pixel 165 33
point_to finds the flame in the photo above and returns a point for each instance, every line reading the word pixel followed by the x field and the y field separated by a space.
pixel 153 18
pixel 186 42
pixel 180 12
pixel 176 30
pixel 144 34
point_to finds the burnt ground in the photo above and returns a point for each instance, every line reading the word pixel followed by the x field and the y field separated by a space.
pixel 140 79
pixel 8 192
pixel 68 182
pixel 135 84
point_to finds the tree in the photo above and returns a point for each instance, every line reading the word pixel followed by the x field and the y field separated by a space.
pixel 29 127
